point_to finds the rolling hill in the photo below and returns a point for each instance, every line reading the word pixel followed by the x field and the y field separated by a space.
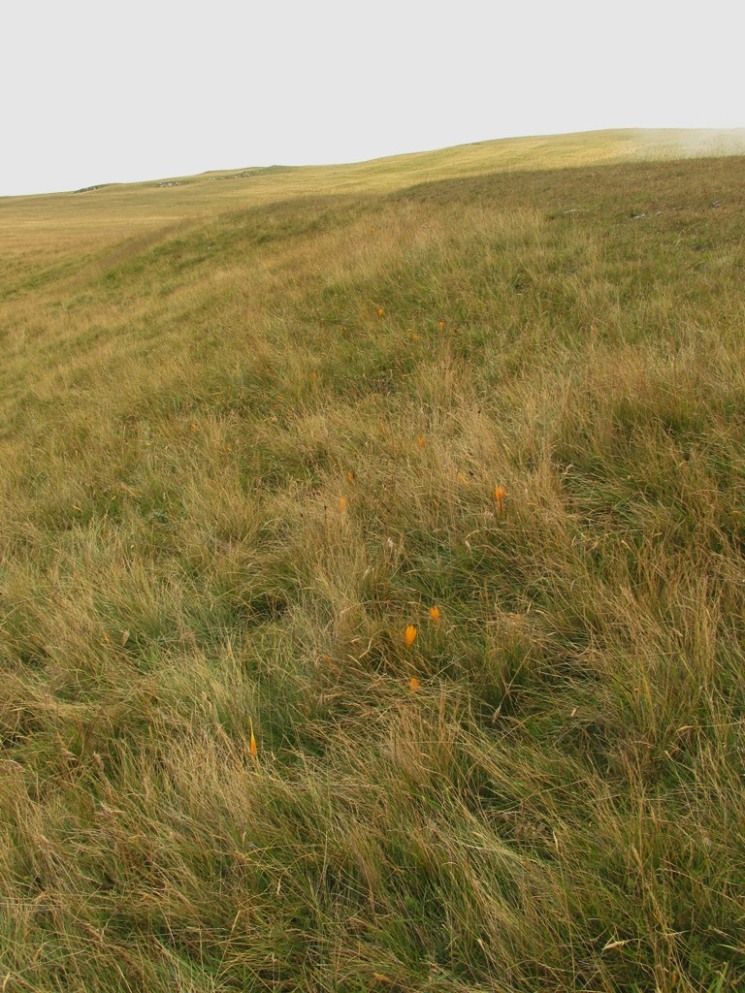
pixel 372 593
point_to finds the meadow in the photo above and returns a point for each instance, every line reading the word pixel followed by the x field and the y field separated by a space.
pixel 372 591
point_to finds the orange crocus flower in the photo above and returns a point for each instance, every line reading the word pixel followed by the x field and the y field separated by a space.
pixel 409 635
pixel 414 684
pixel 499 494
pixel 435 615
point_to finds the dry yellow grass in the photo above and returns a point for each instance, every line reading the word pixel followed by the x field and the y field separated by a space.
pixel 225 764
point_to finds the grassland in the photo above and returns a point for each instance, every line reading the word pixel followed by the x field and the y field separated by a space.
pixel 251 429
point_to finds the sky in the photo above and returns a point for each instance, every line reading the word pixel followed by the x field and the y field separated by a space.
pixel 95 91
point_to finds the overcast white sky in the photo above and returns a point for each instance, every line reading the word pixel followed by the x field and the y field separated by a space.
pixel 98 91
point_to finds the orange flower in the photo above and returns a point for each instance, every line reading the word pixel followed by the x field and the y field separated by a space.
pixel 253 747
pixel 499 494
pixel 380 311
pixel 435 615
pixel 414 684
pixel 409 635
pixel 342 504
pixel 421 441
pixel 350 476
pixel 441 325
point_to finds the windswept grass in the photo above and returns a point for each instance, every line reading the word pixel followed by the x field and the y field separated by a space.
pixel 372 590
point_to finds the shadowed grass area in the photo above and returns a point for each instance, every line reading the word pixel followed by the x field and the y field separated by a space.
pixel 242 452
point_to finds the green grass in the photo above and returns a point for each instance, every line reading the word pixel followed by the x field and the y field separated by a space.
pixel 188 388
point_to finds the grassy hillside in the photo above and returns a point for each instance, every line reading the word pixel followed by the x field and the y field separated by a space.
pixel 86 219
pixel 372 592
